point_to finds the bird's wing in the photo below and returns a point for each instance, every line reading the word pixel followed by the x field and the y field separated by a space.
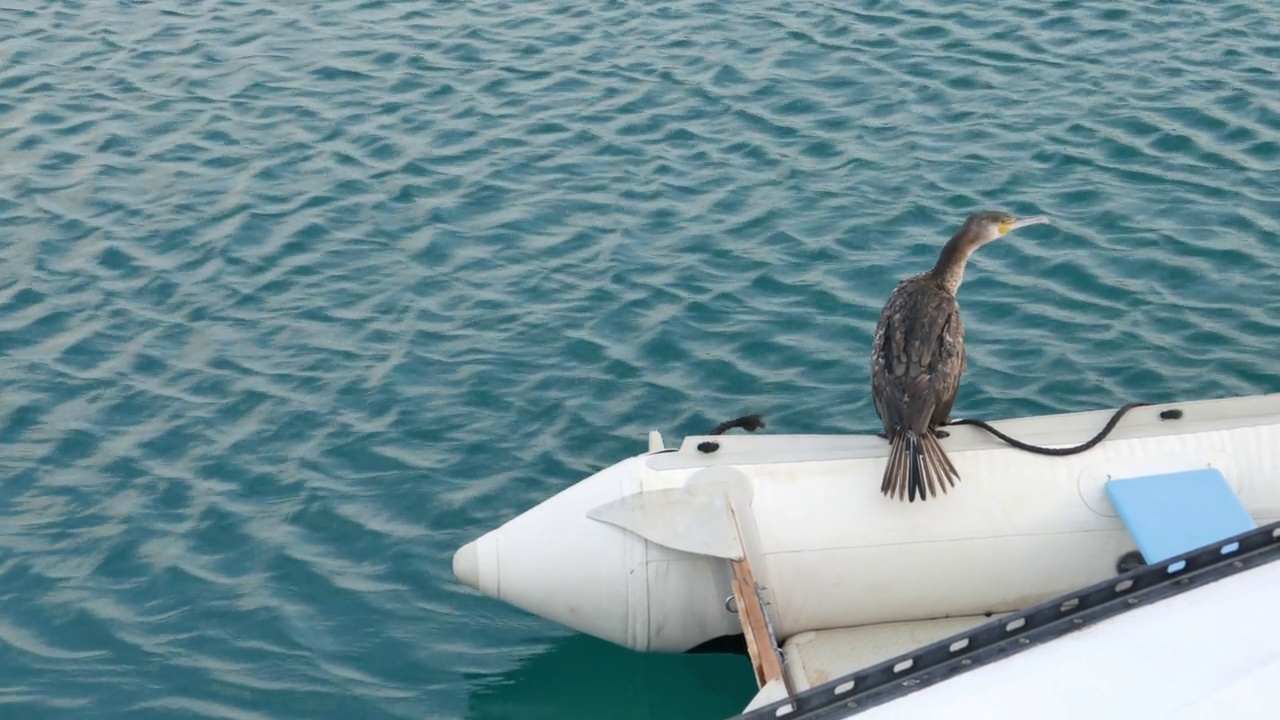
pixel 918 355
pixel 948 366
pixel 886 365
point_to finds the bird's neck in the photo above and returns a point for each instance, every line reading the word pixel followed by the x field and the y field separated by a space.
pixel 949 271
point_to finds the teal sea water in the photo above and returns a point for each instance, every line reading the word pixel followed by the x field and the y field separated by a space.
pixel 297 298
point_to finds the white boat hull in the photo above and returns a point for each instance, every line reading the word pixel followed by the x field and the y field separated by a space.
pixel 635 554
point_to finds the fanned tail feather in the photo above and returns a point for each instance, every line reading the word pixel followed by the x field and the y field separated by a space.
pixel 895 466
pixel 917 465
pixel 938 457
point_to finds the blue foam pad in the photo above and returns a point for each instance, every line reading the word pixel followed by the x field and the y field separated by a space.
pixel 1171 514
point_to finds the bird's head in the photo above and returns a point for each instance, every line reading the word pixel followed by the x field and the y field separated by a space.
pixel 983 227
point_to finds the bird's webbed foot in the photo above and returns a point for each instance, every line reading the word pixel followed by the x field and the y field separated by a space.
pixel 940 433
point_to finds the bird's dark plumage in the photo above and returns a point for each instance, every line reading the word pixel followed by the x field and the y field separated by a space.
pixel 918 358
pixel 914 379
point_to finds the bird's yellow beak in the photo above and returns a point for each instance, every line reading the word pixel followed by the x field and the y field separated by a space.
pixel 1015 223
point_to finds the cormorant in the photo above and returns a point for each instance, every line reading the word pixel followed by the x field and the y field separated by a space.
pixel 917 359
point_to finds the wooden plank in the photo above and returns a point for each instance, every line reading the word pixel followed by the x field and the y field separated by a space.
pixel 764 655
pixel 752 648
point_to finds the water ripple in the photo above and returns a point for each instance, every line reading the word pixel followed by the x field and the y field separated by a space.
pixel 297 299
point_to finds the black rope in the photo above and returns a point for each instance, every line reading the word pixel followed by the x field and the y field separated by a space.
pixel 754 422
pixel 750 423
pixel 1106 430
